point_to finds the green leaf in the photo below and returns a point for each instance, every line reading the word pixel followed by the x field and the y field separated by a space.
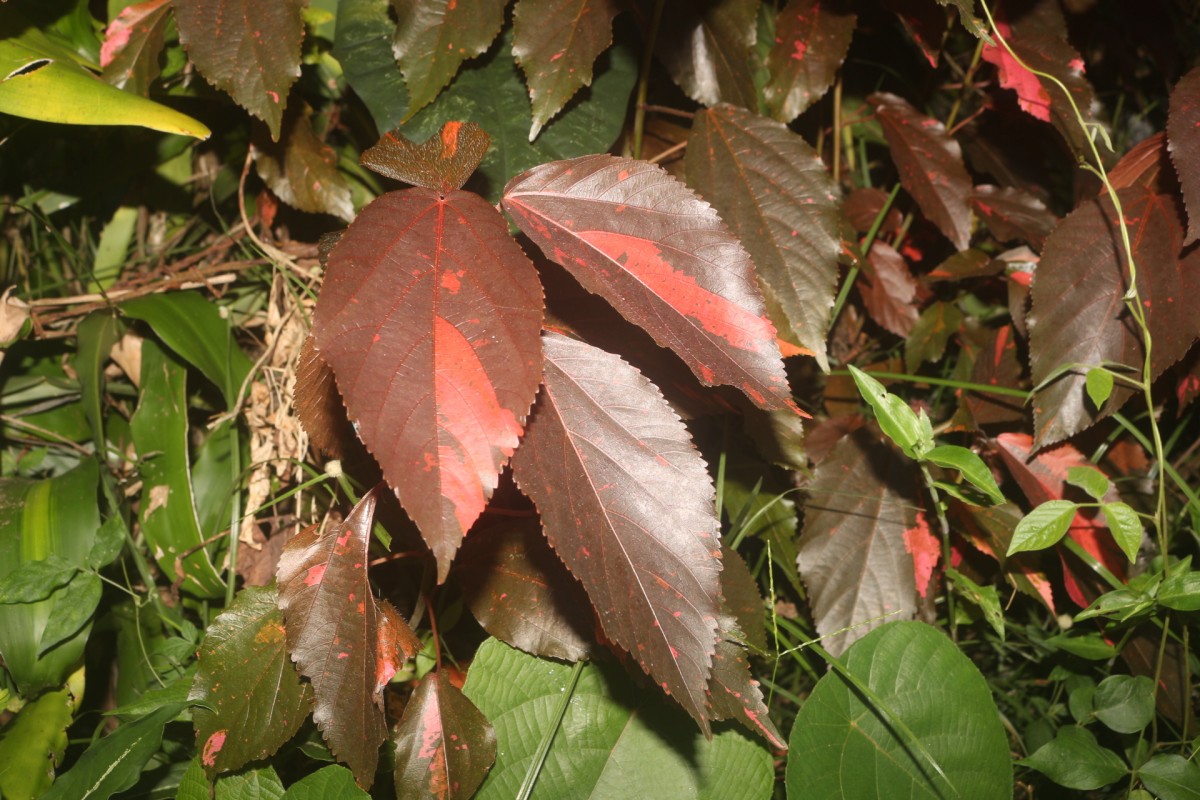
pixel 1171 777
pixel 113 763
pixel 252 784
pixel 986 597
pixel 1099 385
pixel 74 606
pixel 970 465
pixel 167 513
pixel 490 92
pixel 1043 526
pixel 932 704
pixel 1125 526
pixel 110 540
pixel 1120 604
pixel 32 745
pixel 196 330
pixel 1125 703
pixel 328 783
pixel 36 580
pixel 929 335
pixel 1181 591
pixel 252 697
pixel 362 43
pixel 1075 759
pixel 1091 646
pixel 615 741
pixel 898 422
pixel 44 84
pixel 194 784
pixel 96 335
pixel 1090 479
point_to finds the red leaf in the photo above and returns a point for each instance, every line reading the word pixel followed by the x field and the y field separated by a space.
pixel 1031 97
pixel 132 44
pixel 1183 133
pixel 250 50
pixel 776 194
pixel 990 529
pixel 631 233
pixel 926 552
pixel 811 40
pixel 862 206
pixel 853 555
pixel 930 165
pixel 344 640
pixel 444 745
pixel 1013 214
pixel 520 592
pixel 441 163
pixel 429 318
pixel 556 42
pixel 318 404
pixel 1147 164
pixel 925 24
pixel 302 170
pixel 706 49
pixel 627 503
pixel 434 37
pixel 1044 477
pixel 891 292
pixel 996 365
pixel 733 694
pixel 1069 326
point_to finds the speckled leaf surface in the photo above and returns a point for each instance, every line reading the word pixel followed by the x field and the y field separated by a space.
pixel 132 45
pixel 706 49
pixel 302 170
pixel 1183 136
pixel 443 162
pixel 811 41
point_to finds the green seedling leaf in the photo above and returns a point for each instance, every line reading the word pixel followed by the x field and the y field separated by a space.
pixel 1171 777
pixel 253 784
pixel 114 763
pixel 1091 646
pixel 1120 605
pixel 1076 760
pixel 621 741
pixel 763 511
pixel 32 745
pixel 328 783
pixel 928 703
pixel 1043 526
pixel 1126 527
pixel 1090 479
pixel 1099 385
pixel 251 697
pixel 76 602
pixel 1181 591
pixel 986 597
pixel 970 465
pixel 1125 703
pixel 897 420
pixel 110 540
pixel 174 693
pixel 36 580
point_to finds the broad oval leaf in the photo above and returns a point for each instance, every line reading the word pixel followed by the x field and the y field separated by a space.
pixel 249 50
pixel 33 743
pixel 1171 776
pixel 333 782
pixel 250 700
pixel 520 592
pixel 615 741
pixel 627 503
pixel 444 746
pixel 429 317
pixel 1073 758
pixel 775 193
pixel 1043 527
pixel 811 41
pixel 1013 214
pixel 556 42
pixel 1183 142
pixel 434 37
pixel 661 256
pixel 930 165
pixel 362 44
pixel 852 553
pixel 1125 703
pixel 1125 526
pixel 302 170
pixel 934 708
pixel 1075 330
pixel 344 640
pixel 889 290
pixel 706 49
pixel 970 465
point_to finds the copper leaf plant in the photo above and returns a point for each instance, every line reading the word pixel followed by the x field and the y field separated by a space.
pixel 599 398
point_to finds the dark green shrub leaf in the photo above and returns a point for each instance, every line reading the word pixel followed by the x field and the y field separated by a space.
pixel 261 783
pixel 35 580
pixel 986 597
pixel 251 698
pixel 362 44
pixel 251 51
pixel 444 746
pixel 1125 703
pixel 1091 646
pixel 1171 777
pixel 970 465
pixel 776 194
pixel 1181 591
pixel 811 41
pixel 33 743
pixel 434 37
pixel 936 733
pixel 1126 527
pixel 1043 526
pixel 74 605
pixel 615 741
pixel 328 783
pixel 556 42
pixel 1076 760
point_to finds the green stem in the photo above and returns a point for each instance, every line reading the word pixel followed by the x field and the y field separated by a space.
pixel 867 242
pixel 539 757
pixel 235 513
pixel 932 381
pixel 944 528
pixel 639 112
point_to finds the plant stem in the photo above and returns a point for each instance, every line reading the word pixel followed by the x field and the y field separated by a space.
pixel 944 528
pixel 837 131
pixel 847 284
pixel 539 757
pixel 639 112
pixel 953 384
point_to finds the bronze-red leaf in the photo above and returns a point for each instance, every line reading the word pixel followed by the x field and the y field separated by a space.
pixel 441 163
pixel 444 745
